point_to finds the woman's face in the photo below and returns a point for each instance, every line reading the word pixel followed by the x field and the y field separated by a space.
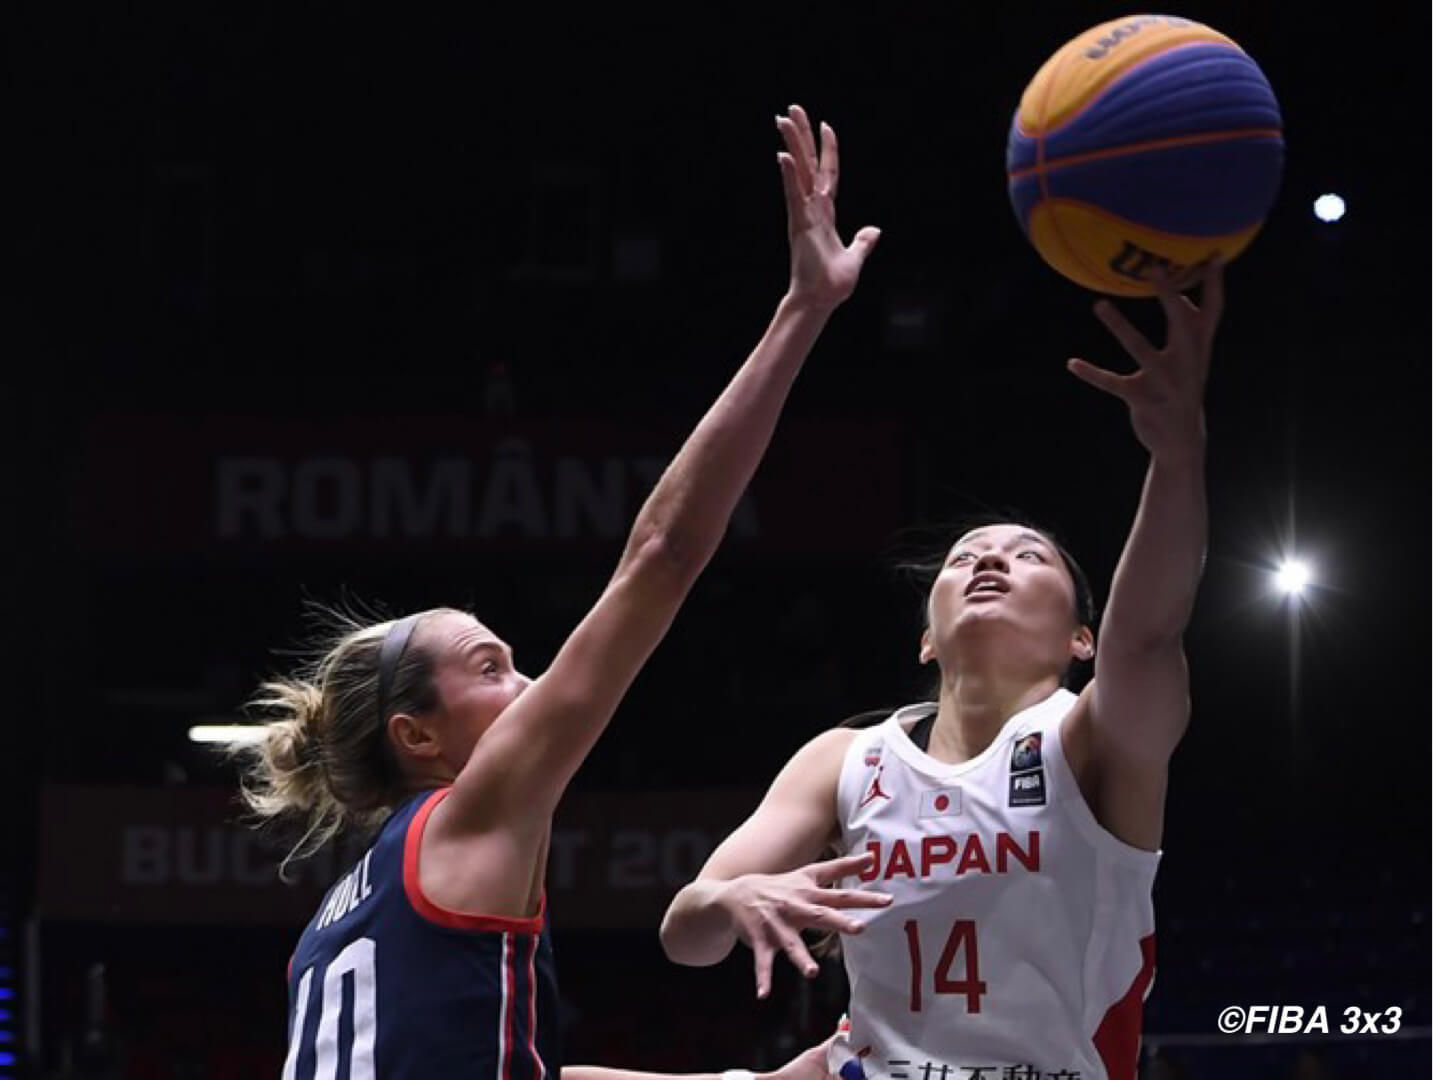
pixel 475 679
pixel 1003 594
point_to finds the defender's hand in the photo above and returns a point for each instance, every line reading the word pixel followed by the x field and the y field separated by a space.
pixel 824 271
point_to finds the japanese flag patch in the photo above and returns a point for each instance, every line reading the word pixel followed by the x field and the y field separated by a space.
pixel 942 802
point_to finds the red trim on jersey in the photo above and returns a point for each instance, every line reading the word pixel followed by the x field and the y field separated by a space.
pixel 1117 1038
pixel 532 1013
pixel 453 920
pixel 509 983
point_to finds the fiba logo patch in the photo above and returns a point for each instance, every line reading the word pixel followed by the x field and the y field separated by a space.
pixel 1027 773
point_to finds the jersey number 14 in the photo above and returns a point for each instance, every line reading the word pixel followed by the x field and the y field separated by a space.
pixel 960 945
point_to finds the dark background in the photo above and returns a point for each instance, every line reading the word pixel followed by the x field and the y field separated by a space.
pixel 327 214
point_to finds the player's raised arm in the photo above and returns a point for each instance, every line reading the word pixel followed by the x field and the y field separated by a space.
pixel 1139 698
pixel 521 766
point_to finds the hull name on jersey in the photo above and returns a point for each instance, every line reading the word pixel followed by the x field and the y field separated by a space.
pixel 953 856
pixel 347 894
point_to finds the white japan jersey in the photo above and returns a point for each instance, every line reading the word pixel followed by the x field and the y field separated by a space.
pixel 1020 941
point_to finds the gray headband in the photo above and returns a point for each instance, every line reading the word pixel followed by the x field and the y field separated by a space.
pixel 394 642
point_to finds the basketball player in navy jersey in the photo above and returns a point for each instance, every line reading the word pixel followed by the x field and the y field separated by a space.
pixel 430 958
pixel 1012 826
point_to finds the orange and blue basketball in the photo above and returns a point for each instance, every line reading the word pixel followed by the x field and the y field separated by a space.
pixel 1148 141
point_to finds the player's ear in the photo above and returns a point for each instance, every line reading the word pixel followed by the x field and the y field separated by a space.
pixel 412 736
pixel 927 652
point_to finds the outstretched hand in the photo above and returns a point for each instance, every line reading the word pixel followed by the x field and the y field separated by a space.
pixel 824 271
pixel 769 911
pixel 1166 394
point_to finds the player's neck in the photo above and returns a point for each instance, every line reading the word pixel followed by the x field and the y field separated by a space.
pixel 974 706
pixel 426 778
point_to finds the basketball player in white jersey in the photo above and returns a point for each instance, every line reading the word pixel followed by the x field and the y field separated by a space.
pixel 1014 826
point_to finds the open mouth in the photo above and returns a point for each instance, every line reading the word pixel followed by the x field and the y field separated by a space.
pixel 987 585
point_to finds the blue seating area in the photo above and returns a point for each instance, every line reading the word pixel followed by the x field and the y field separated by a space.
pixel 1251 938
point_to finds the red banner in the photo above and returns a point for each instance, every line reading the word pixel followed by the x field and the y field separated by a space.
pixel 248 486
pixel 179 856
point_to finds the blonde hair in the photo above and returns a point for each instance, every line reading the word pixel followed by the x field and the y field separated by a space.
pixel 325 763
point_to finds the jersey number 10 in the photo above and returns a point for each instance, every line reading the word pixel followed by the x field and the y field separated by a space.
pixel 356 960
pixel 961 942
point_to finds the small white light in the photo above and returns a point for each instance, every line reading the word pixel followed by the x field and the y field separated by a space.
pixel 1293 576
pixel 1328 208
pixel 227 733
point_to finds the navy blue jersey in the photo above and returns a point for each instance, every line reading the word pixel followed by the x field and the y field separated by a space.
pixel 385 985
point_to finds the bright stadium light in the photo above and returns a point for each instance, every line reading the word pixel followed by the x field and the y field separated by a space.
pixel 1328 208
pixel 1293 576
pixel 230 734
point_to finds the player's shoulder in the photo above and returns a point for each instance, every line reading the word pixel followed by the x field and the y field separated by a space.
pixel 829 745
pixel 832 744
pixel 816 765
pixel 822 755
